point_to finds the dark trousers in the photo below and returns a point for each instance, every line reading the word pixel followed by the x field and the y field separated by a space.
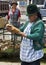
pixel 37 62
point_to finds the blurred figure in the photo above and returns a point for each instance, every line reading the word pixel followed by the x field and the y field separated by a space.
pixel 14 16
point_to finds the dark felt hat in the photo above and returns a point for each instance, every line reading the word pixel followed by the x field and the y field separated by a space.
pixel 31 9
pixel 14 3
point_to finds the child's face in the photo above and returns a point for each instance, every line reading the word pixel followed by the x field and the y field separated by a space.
pixel 32 17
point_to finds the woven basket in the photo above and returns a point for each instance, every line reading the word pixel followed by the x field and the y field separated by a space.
pixel 2 22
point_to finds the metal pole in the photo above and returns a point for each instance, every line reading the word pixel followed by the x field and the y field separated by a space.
pixel 27 2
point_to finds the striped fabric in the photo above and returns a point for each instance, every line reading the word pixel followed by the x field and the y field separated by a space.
pixel 27 52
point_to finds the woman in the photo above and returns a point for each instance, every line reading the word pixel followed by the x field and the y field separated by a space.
pixel 32 32
pixel 14 18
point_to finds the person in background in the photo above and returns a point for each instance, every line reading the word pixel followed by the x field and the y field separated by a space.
pixel 14 16
pixel 32 32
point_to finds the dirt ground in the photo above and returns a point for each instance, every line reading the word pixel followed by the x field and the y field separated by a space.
pixel 13 63
pixel 9 63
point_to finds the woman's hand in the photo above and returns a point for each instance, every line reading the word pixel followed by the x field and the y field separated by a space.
pixel 23 34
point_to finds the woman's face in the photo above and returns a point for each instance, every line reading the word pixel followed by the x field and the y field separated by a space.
pixel 32 17
pixel 14 6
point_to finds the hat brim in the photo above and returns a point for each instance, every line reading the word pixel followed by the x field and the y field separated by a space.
pixel 29 14
pixel 14 3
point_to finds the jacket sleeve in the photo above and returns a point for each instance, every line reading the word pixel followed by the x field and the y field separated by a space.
pixel 23 26
pixel 38 32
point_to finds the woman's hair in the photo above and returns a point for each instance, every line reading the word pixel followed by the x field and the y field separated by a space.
pixel 39 15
